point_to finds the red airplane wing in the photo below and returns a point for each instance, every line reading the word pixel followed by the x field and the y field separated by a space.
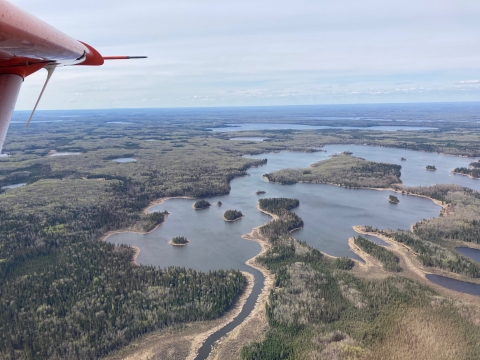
pixel 27 44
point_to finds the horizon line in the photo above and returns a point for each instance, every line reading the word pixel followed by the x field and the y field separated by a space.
pixel 258 106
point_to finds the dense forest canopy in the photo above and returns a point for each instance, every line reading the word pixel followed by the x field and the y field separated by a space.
pixel 231 215
pixel 393 199
pixel 201 204
pixel 180 240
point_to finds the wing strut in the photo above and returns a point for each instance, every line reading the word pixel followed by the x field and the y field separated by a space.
pixel 50 68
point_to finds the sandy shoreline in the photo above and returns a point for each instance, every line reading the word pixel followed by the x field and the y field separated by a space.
pixel 470 176
pixel 185 341
pixel 226 319
pixel 223 217
pixel 171 243
pixel 254 325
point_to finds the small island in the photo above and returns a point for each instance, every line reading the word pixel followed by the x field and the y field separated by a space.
pixel 393 199
pixel 431 168
pixel 260 192
pixel 232 215
pixel 179 241
pixel 201 204
pixel 403 159
pixel 347 153
pixel 219 203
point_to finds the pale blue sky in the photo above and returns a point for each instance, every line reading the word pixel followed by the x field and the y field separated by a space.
pixel 263 52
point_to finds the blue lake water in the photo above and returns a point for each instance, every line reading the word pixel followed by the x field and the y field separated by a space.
pixel 125 160
pixel 248 138
pixel 260 126
pixel 456 285
pixel 329 212
pixel 473 254
pixel 14 186
pixel 64 154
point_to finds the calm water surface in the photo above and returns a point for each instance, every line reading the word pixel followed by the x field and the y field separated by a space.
pixel 124 160
pixel 473 254
pixel 260 126
pixel 64 154
pixel 14 186
pixel 248 138
pixel 329 212
pixel 456 285
pixel 413 169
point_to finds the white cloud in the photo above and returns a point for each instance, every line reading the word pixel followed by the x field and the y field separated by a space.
pixel 211 47
pixel 468 82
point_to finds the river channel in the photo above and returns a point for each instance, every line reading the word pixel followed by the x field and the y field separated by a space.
pixel 328 211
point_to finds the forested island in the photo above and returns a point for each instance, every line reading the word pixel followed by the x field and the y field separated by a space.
pixel 232 215
pixel 431 168
pixel 179 241
pixel 260 192
pixel 343 170
pixel 201 204
pixel 393 199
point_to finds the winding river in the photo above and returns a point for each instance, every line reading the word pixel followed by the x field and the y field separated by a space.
pixel 329 212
